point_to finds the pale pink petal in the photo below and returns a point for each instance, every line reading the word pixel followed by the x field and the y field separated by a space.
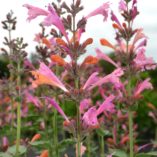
pixel 107 105
pixel 102 10
pixel 53 19
pixel 101 55
pixel 90 80
pixel 122 5
pixel 142 62
pixel 57 107
pixel 90 117
pixel 34 12
pixel 84 105
pixel 142 86
pixel 112 78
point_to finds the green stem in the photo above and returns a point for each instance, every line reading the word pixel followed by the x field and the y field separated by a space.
pixel 78 133
pixel 131 134
pixel 156 134
pixel 55 134
pixel 102 146
pixel 89 146
pixel 18 135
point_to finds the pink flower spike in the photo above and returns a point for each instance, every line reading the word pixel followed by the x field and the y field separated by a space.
pixel 57 107
pixel 102 55
pixel 90 80
pixel 53 19
pixel 103 10
pixel 142 86
pixel 45 76
pixel 107 105
pixel 34 12
pixel 122 5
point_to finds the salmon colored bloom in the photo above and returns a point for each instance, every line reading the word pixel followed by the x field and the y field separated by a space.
pixel 36 137
pixel 90 60
pixel 45 76
pixel 105 42
pixel 45 153
pixel 57 59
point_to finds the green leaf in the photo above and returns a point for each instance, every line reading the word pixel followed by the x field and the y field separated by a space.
pixel 103 132
pixel 119 153
pixel 66 142
pixel 38 143
pixel 5 155
pixel 12 150
pixel 149 154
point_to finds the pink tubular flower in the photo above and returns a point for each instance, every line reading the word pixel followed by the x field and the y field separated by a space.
pixel 57 107
pixel 84 105
pixel 107 105
pixel 101 55
pixel 54 19
pixel 142 86
pixel 93 78
pixel 32 99
pixel 103 10
pixel 51 17
pixel 122 5
pixel 142 62
pixel 90 117
pixel 112 78
pixel 45 76
pixel 34 12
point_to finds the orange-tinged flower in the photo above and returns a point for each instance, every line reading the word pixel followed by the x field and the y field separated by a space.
pixel 151 106
pixel 57 59
pixel 105 42
pixel 45 76
pixel 87 42
pixel 44 153
pixel 36 137
pixel 90 60
pixel 46 42
pixel 61 42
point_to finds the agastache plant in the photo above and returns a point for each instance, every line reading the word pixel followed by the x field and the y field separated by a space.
pixel 77 88
pixel 130 56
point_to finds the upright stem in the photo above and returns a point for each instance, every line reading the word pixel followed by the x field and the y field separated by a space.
pixel 11 80
pixel 89 146
pixel 102 146
pixel 78 133
pixel 55 134
pixel 156 134
pixel 18 135
pixel 131 133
